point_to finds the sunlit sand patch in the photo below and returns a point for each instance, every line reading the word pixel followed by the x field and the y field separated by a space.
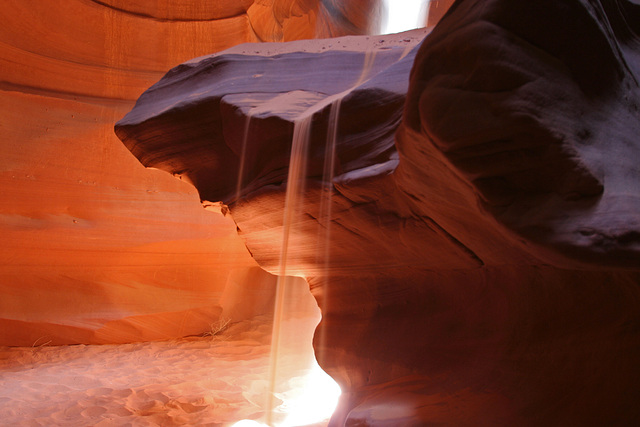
pixel 192 381
pixel 310 400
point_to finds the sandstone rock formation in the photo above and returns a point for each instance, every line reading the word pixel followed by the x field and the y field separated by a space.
pixel 437 9
pixel 480 267
pixel 96 248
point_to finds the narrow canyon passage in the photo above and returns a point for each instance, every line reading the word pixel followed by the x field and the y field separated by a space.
pixel 462 201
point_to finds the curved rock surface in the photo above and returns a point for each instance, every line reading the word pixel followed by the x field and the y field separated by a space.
pixel 96 248
pixel 545 138
pixel 481 271
pixel 200 110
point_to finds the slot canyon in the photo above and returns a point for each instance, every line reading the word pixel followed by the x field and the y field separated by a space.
pixel 205 202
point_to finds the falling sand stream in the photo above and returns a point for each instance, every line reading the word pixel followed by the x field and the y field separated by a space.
pixel 293 207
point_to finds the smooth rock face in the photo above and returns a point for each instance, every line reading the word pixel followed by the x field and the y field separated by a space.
pixel 545 138
pixel 96 249
pixel 481 271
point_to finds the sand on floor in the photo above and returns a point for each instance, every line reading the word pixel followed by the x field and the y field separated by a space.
pixel 206 380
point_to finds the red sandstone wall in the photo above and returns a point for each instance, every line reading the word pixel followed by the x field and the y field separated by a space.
pixel 95 247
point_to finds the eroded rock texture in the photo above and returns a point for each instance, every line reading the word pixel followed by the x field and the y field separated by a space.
pixel 96 249
pixel 480 267
pixel 199 110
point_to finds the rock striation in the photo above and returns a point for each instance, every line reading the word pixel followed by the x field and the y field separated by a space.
pixel 473 238
pixel 96 249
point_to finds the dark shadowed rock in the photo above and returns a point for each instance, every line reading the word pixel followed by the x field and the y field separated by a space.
pixel 535 107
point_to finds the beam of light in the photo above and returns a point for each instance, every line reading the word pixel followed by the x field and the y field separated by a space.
pixel 313 400
pixel 404 15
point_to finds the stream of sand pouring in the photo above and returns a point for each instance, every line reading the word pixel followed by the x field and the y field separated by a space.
pixel 243 153
pixel 324 216
pixel 295 188
pixel 293 203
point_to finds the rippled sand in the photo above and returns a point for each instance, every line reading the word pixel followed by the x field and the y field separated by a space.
pixel 210 380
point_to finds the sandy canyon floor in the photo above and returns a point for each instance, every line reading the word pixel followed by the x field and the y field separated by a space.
pixel 213 380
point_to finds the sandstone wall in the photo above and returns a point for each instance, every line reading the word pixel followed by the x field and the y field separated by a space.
pixel 96 248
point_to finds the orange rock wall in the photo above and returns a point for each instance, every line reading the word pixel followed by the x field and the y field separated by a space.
pixel 95 247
